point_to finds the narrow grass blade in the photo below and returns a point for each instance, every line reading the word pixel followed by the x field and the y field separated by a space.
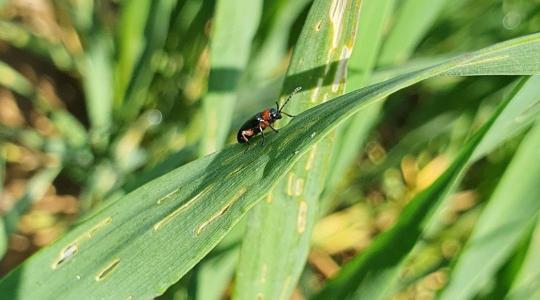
pixel 276 244
pixel 503 222
pixel 3 232
pixel 20 37
pixel 155 35
pixel 351 135
pixel 527 283
pixel 15 81
pixel 411 142
pixel 2 166
pixel 274 47
pixel 374 272
pixel 515 119
pixel 218 267
pixel 374 16
pixel 217 273
pixel 131 42
pixel 35 190
pixel 81 14
pixel 499 286
pixel 98 88
pixel 235 24
pixel 66 124
pixel 28 138
pixel 521 113
pixel 174 221
pixel 3 238
pixel 415 17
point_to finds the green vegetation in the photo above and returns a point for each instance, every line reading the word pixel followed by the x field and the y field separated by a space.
pixel 408 172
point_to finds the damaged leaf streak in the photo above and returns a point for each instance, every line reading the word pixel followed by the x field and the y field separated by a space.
pixel 221 211
pixel 107 270
pixel 179 210
pixel 72 248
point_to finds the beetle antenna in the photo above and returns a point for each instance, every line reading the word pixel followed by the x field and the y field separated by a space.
pixel 296 90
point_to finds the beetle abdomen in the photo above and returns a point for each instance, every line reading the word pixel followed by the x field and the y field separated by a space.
pixel 248 130
pixel 244 135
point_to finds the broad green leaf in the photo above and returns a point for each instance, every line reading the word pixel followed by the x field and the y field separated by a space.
pixel 234 28
pixel 145 241
pixel 385 73
pixel 514 205
pixel 373 273
pixel 172 162
pixel 527 283
pixel 276 244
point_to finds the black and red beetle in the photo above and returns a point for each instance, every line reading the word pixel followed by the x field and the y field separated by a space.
pixel 261 120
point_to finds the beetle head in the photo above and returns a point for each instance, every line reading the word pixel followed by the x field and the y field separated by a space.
pixel 275 114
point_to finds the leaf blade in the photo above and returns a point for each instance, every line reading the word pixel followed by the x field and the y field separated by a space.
pixel 514 204
pixel 276 245
pixel 236 22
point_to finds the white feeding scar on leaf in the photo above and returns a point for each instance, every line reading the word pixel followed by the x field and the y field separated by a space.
pixel 341 71
pixel 302 214
pixel 168 196
pixel 107 270
pixel 337 10
pixel 72 248
pixel 183 207
pixel 486 60
pixel 311 157
pixel 221 211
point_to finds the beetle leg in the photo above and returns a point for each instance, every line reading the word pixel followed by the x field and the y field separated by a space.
pixel 244 137
pixel 270 125
pixel 262 133
pixel 292 116
pixel 247 142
